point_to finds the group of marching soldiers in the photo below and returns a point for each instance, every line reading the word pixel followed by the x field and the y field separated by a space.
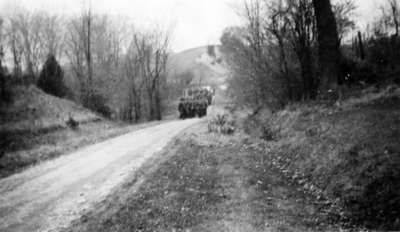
pixel 195 102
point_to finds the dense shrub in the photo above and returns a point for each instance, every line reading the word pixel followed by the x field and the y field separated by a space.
pixel 221 123
pixel 51 78
pixel 380 66
pixel 97 102
pixel 211 50
pixel 72 123
pixel 383 54
pixel 5 90
pixel 357 72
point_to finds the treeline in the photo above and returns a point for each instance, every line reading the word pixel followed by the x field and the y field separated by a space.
pixel 295 50
pixel 106 64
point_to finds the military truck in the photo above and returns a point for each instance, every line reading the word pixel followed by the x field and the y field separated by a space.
pixel 194 102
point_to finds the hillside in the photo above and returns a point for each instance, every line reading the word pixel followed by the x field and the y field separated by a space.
pixel 31 109
pixel 347 154
pixel 206 69
pixel 33 129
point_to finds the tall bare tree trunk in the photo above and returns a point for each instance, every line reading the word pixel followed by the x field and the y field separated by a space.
pixel 3 88
pixel 361 46
pixel 89 52
pixel 138 108
pixel 137 104
pixel 2 76
pixel 284 68
pixel 157 101
pixel 150 104
pixel 329 53
pixel 307 73
pixel 17 72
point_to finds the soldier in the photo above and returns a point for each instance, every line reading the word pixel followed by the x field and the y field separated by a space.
pixel 194 103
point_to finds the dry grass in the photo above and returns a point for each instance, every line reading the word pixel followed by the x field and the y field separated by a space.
pixel 369 96
pixel 350 152
pixel 220 121
pixel 34 127
pixel 20 151
pixel 32 109
pixel 207 182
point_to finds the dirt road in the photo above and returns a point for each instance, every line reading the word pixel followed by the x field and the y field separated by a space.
pixel 48 196
pixel 209 182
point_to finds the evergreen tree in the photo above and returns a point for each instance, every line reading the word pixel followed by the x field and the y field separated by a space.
pixel 51 78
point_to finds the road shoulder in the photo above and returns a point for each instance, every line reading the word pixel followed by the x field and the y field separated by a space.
pixel 19 152
pixel 207 182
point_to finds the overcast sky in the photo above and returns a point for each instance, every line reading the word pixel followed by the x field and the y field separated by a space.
pixel 194 22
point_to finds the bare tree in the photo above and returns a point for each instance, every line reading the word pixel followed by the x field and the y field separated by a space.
pixel 291 24
pixel 100 65
pixel 273 58
pixel 389 20
pixel 360 45
pixel 31 38
pixel 242 83
pixel 343 11
pixel 15 44
pixel 74 51
pixel 250 85
pixel 394 7
pixel 29 26
pixel 79 52
pixel 109 45
pixel 302 27
pixel 87 19
pixel 141 62
pixel 154 60
pixel 53 35
pixel 277 25
pixel 133 72
pixel 2 74
pixel 259 53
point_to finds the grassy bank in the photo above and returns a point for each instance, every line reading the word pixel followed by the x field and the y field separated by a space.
pixel 21 150
pixel 348 153
pixel 34 127
pixel 30 109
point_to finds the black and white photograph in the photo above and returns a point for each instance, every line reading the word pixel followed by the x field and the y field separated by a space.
pixel 199 115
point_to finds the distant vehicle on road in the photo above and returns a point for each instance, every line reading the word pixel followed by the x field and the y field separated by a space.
pixel 195 101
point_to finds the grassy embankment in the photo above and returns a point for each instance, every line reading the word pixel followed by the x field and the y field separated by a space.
pixel 33 129
pixel 348 153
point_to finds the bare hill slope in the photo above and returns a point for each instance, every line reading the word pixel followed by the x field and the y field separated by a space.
pixel 32 109
pixel 206 69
